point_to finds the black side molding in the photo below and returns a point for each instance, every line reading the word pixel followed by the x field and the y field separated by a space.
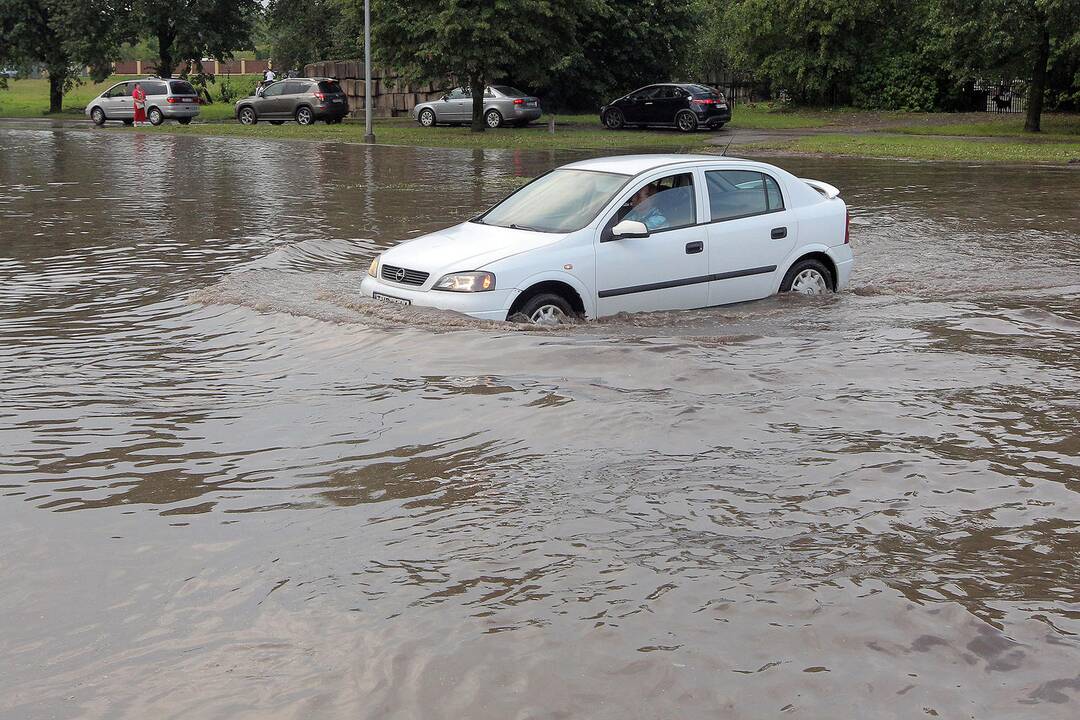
pixel 686 281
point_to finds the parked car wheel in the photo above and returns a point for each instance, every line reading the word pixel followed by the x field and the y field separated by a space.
pixel 98 116
pixel 614 119
pixel 546 309
pixel 493 118
pixel 686 121
pixel 155 117
pixel 304 116
pixel 184 121
pixel 248 116
pixel 426 118
pixel 809 277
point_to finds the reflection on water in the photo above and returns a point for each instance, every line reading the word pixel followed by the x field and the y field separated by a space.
pixel 230 487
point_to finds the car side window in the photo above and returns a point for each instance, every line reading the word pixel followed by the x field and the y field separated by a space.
pixel 645 93
pixel 664 204
pixel 155 88
pixel 488 93
pixel 670 93
pixel 295 88
pixel 274 90
pixel 121 90
pixel 741 193
pixel 458 94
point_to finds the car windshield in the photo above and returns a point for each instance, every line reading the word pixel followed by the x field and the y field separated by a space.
pixel 560 202
pixel 507 91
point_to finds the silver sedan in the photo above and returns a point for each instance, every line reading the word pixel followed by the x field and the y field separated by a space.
pixel 502 104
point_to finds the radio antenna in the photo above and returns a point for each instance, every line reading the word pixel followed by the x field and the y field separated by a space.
pixel 724 153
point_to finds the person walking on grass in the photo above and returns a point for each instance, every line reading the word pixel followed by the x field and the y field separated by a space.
pixel 138 101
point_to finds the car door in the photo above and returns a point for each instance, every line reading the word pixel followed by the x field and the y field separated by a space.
pixel 750 233
pixel 117 102
pixel 665 104
pixel 296 93
pixel 638 105
pixel 272 103
pixel 458 105
pixel 667 270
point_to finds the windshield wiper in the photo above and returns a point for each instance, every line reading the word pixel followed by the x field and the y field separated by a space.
pixel 514 226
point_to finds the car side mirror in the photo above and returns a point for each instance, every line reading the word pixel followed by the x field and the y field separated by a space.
pixel 630 229
pixel 444 98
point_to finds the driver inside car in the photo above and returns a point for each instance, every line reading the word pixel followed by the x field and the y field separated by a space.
pixel 646 206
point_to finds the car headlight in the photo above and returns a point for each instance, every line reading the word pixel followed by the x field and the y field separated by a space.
pixel 466 282
pixel 373 268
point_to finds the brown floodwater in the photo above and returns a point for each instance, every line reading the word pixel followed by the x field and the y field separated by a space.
pixel 232 488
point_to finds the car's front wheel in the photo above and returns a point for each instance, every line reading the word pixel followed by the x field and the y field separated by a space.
pixel 304 116
pixel 686 121
pixel 248 116
pixel 614 119
pixel 426 118
pixel 155 117
pixel 808 277
pixel 546 309
pixel 98 116
pixel 493 118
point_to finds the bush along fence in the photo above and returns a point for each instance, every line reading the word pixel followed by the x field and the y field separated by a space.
pixel 391 94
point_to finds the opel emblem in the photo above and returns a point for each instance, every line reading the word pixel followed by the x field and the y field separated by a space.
pixel 399 274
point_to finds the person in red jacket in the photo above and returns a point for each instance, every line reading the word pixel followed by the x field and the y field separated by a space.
pixel 138 99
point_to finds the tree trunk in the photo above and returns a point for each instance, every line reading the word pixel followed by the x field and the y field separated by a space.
pixel 165 58
pixel 56 90
pixel 477 86
pixel 1033 118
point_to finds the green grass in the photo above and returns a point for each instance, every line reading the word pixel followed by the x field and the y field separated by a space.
pixel 400 132
pixel 927 148
pixel 1055 126
pixel 30 98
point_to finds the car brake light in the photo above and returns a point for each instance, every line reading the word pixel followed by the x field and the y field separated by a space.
pixel 519 101
pixel 320 95
pixel 171 100
pixel 704 101
pixel 847 226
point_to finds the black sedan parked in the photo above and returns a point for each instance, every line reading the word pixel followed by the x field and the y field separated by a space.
pixel 685 106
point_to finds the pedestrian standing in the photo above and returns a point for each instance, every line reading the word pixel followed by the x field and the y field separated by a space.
pixel 138 101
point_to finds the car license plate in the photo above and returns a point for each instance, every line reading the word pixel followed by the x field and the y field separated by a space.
pixel 531 103
pixel 391 299
pixel 337 100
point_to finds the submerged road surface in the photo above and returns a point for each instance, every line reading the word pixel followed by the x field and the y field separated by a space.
pixel 231 488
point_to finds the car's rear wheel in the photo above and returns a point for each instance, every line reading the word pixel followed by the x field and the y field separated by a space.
pixel 277 122
pixel 494 119
pixel 686 121
pixel 248 116
pixel 546 309
pixel 98 116
pixel 155 117
pixel 614 119
pixel 304 116
pixel 426 118
pixel 808 277
pixel 184 121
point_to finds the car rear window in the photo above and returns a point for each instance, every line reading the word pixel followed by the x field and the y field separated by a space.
pixel 508 91
pixel 329 86
pixel 182 87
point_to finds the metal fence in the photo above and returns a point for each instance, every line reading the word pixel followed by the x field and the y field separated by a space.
pixel 1000 97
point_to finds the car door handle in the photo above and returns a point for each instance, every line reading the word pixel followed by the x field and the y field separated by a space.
pixel 692 248
pixel 779 233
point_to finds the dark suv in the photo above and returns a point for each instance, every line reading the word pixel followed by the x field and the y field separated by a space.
pixel 685 106
pixel 304 100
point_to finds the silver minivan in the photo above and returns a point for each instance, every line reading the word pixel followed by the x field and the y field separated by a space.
pixel 165 99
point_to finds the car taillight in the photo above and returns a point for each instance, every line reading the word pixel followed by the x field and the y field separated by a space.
pixel 704 101
pixel 320 95
pixel 171 100
pixel 519 101
pixel 847 227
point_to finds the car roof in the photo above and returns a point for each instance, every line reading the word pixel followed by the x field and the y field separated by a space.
pixel 637 164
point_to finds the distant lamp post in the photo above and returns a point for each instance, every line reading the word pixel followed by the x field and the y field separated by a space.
pixel 369 131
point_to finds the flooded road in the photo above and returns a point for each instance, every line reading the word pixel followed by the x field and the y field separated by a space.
pixel 231 488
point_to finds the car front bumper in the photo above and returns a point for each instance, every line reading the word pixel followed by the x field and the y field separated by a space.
pixel 492 305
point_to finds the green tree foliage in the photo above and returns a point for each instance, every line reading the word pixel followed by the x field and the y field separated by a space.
pixel 63 36
pixel 1038 40
pixel 476 42
pixel 189 30
pixel 303 31
pixel 620 45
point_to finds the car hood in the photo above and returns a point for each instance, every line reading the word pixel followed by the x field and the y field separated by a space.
pixel 468 246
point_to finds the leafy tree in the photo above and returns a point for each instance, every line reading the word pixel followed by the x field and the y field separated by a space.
pixel 1017 38
pixel 621 45
pixel 189 30
pixel 63 36
pixel 476 42
pixel 303 31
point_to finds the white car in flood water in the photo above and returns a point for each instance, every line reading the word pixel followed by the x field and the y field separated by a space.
pixel 628 234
